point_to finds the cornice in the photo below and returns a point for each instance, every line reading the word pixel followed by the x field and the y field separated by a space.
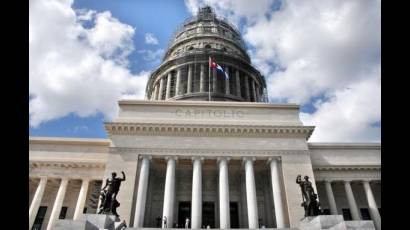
pixel 347 168
pixel 66 164
pixel 160 152
pixel 166 129
pixel 70 141
pixel 202 104
pixel 343 145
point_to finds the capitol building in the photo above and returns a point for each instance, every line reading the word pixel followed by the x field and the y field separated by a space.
pixel 207 146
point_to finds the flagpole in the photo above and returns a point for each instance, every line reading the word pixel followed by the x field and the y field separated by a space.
pixel 209 78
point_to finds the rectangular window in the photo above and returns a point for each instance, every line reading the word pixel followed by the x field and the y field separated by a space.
pixel 365 213
pixel 85 210
pixel 63 213
pixel 346 214
pixel 38 222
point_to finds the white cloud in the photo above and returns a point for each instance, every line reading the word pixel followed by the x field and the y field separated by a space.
pixel 152 55
pixel 151 39
pixel 319 48
pixel 349 114
pixel 74 68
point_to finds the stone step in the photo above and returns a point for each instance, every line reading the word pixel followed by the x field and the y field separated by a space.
pixel 334 222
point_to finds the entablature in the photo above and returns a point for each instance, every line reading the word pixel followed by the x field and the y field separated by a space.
pixel 166 129
pixel 348 173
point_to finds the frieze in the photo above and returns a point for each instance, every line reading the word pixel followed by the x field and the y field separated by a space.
pixel 211 153
pixel 119 128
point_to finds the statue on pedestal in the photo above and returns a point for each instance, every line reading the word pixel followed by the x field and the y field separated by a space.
pixel 108 195
pixel 309 197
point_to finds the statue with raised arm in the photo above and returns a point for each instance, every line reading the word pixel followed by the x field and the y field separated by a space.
pixel 309 197
pixel 108 195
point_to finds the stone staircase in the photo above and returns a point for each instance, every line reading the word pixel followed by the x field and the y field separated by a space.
pixel 110 222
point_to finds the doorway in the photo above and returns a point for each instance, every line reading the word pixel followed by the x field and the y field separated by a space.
pixel 208 214
pixel 234 213
pixel 184 211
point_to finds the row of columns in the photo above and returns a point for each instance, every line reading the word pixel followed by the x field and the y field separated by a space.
pixel 252 91
pixel 373 210
pixel 196 209
pixel 58 203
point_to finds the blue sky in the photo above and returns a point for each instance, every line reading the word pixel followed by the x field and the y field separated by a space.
pixel 321 54
pixel 146 16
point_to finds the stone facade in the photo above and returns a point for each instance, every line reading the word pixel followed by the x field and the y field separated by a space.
pixel 211 130
pixel 223 158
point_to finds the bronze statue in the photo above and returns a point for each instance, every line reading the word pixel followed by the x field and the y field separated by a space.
pixel 108 195
pixel 309 197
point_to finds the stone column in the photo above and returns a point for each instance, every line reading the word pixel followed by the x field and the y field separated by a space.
pixel 278 196
pixel 154 93
pixel 169 193
pixel 224 209
pixel 247 93
pixel 374 211
pixel 202 76
pixel 253 90
pixel 196 213
pixel 352 202
pixel 35 204
pixel 330 197
pixel 251 193
pixel 214 78
pixel 189 84
pixel 142 192
pixel 178 83
pixel 238 84
pixel 227 89
pixel 58 203
pixel 82 197
pixel 168 90
pixel 257 93
pixel 161 88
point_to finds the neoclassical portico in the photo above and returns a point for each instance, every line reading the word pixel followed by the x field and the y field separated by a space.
pixel 223 190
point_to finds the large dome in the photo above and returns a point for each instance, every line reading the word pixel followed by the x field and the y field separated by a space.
pixel 184 73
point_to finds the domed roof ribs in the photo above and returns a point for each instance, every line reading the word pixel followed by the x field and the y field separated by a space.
pixel 183 72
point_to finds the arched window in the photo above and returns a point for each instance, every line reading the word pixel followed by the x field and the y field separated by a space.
pixel 207 46
pixel 191 48
pixel 224 49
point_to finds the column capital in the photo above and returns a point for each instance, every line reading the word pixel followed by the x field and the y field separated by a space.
pixel 145 156
pixel 198 157
pixel 171 158
pixel 218 159
pixel 277 158
pixel 248 158
pixel 85 179
pixel 65 178
pixel 328 180
pixel 347 181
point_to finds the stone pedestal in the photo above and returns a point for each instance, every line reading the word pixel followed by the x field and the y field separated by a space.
pixel 91 222
pixel 334 222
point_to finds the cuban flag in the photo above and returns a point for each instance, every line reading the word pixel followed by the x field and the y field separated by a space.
pixel 213 64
